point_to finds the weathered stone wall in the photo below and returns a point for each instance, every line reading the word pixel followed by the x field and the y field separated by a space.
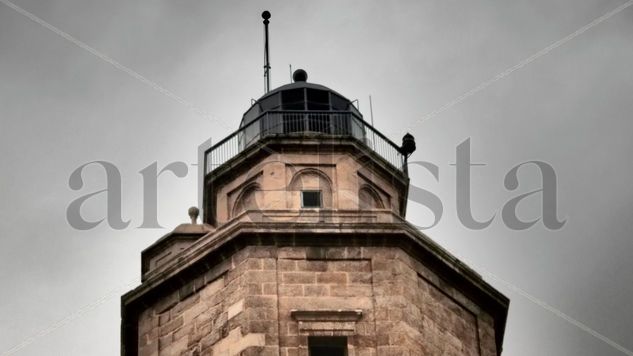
pixel 228 310
pixel 325 279
pixel 276 181
pixel 417 313
pixel 245 304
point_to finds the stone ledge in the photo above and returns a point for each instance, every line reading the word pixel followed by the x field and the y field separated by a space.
pixel 327 322
pixel 332 315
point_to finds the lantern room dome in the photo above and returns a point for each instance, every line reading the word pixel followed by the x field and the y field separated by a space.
pixel 299 96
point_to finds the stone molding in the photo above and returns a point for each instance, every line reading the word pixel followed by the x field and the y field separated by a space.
pixel 340 315
pixel 331 322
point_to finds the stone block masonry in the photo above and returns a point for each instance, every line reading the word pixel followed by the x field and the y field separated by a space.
pixel 245 306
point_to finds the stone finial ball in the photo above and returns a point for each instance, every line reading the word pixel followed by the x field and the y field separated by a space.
pixel 266 15
pixel 193 213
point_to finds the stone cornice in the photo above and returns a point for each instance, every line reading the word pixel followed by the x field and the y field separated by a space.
pixel 322 222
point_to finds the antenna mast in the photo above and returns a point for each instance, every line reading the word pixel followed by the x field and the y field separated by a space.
pixel 266 16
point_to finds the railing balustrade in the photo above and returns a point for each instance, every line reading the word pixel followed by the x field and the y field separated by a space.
pixel 296 123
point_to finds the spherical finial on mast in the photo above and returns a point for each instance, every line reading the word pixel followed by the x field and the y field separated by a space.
pixel 193 214
pixel 266 16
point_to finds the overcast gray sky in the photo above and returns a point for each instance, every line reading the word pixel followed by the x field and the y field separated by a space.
pixel 62 106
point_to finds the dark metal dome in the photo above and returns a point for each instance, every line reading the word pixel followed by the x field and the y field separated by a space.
pixel 299 96
pixel 303 109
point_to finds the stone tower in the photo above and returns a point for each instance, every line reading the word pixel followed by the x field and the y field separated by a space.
pixel 304 250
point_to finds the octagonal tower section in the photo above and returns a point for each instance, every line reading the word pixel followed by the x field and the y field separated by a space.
pixel 304 250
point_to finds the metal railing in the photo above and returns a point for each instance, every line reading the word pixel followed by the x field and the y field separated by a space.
pixel 298 123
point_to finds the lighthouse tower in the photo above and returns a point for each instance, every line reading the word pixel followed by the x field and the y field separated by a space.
pixel 304 249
